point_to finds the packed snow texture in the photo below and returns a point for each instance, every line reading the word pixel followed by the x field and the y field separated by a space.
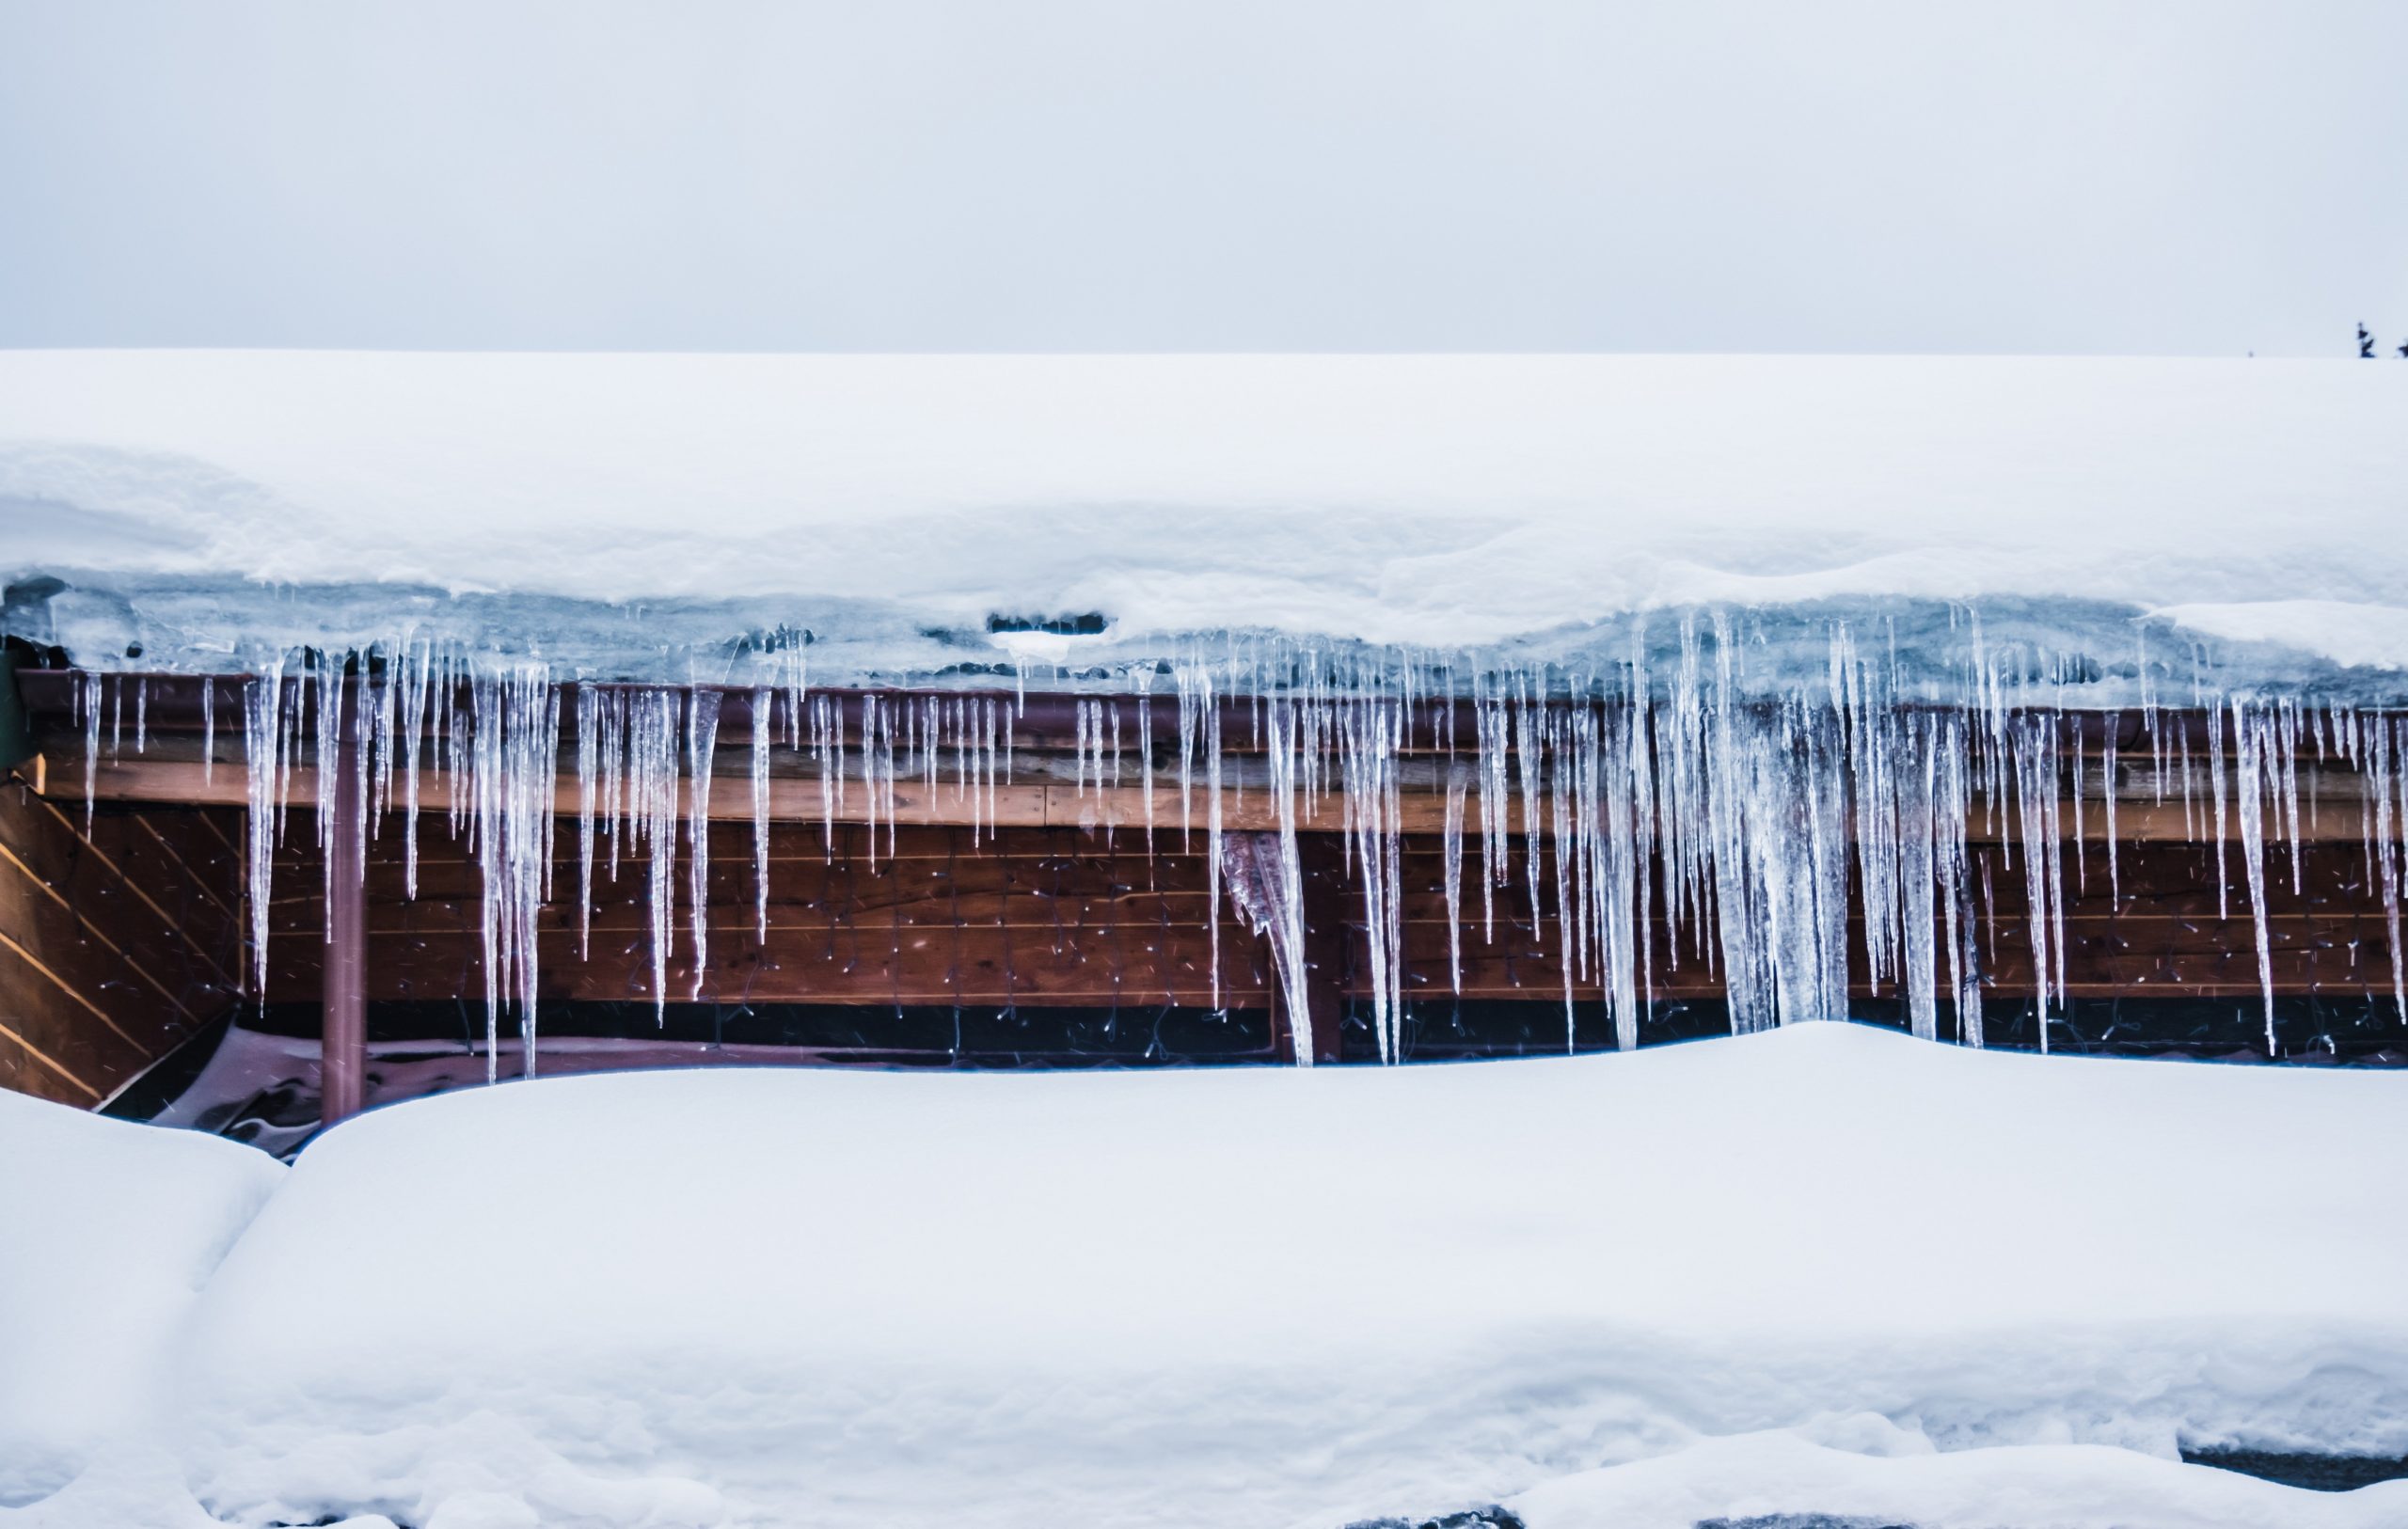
pixel 1878 1481
pixel 108 1231
pixel 1271 1297
pixel 200 503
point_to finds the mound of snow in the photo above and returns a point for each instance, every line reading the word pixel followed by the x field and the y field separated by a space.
pixel 1764 1476
pixel 107 1233
pixel 1266 1296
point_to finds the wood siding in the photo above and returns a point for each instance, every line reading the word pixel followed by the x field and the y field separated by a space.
pixel 116 942
pixel 941 915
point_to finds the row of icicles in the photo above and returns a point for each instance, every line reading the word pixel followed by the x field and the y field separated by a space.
pixel 1738 820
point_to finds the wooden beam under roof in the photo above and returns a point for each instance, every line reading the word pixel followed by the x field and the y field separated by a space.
pixel 1046 790
pixel 1041 803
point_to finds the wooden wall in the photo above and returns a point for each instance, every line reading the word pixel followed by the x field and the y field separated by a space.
pixel 1040 916
pixel 115 942
pixel 2157 932
pixel 1065 916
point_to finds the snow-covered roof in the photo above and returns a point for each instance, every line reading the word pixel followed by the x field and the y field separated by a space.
pixel 1439 500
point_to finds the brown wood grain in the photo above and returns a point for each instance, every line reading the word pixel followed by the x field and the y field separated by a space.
pixel 865 965
pixel 98 974
pixel 1039 803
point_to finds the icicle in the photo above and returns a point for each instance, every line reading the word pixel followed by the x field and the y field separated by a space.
pixel 702 741
pixel 797 689
pixel 1265 874
pixel 2377 763
pixel 2034 756
pixel 1458 783
pixel 1912 790
pixel 1492 720
pixel 654 741
pixel 1369 742
pixel 1951 823
pixel 1568 919
pixel 1146 766
pixel 91 744
pixel 263 733
pixel 208 729
pixel 2250 743
pixel 1625 841
pixel 1111 815
pixel 612 818
pixel 865 745
pixel 329 730
pixel 2080 857
pixel 417 682
pixel 1213 835
pixel 589 768
pixel 761 702
pixel 2108 783
pixel 2395 813
pixel 364 704
pixel 831 768
pixel 2216 785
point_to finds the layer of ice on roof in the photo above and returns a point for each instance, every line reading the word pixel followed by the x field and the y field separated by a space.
pixel 639 515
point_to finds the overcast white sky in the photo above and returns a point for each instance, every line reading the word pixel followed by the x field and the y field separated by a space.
pixel 2185 177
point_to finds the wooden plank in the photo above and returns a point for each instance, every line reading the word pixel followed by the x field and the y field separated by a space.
pixel 67 922
pixel 1535 973
pixel 1038 804
pixel 861 965
pixel 805 881
pixel 936 908
pixel 95 979
pixel 134 885
pixel 1322 873
pixel 60 1028
pixel 203 853
pixel 171 905
pixel 158 960
pixel 790 842
pixel 26 1069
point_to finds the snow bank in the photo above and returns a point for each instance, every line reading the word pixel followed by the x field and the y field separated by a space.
pixel 2032 1487
pixel 1444 502
pixel 107 1233
pixel 1265 1296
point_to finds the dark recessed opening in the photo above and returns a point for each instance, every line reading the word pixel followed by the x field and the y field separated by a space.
pixel 1090 624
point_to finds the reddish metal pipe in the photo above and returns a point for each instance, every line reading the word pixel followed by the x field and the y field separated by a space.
pixel 342 1066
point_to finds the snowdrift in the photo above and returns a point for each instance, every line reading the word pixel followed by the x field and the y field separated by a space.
pixel 1268 1297
pixel 1752 1477
pixel 108 1231
pixel 207 507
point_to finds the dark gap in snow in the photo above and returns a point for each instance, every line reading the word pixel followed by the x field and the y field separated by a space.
pixel 257 1081
pixel 1089 624
pixel 2314 1471
pixel 1475 1518
pixel 2311 1030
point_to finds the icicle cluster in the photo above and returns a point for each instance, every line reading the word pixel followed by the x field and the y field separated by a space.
pixel 1667 789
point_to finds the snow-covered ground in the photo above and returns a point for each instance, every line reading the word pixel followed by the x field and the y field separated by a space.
pixel 1823 1268
pixel 207 506
pixel 109 1232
